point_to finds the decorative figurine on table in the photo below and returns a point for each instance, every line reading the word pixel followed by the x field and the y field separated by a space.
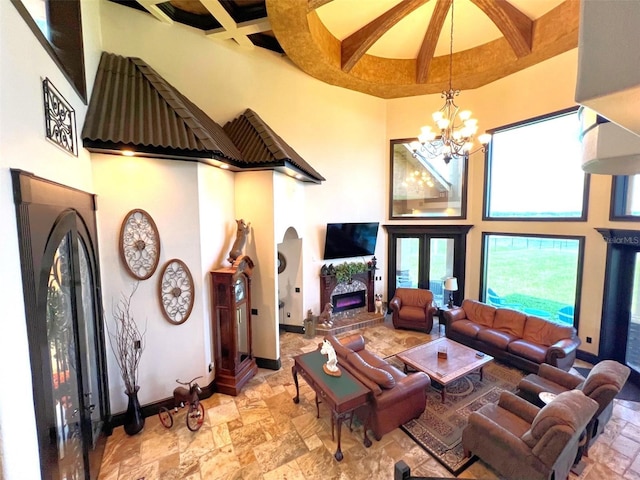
pixel 331 367
pixel 325 316
pixel 242 232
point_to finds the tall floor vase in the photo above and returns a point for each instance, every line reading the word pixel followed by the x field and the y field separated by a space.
pixel 133 418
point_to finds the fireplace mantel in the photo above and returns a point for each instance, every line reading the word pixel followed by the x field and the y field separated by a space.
pixel 329 282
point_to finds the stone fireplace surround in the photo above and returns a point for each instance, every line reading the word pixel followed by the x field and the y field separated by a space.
pixel 329 286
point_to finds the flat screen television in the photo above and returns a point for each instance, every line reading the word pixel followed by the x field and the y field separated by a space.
pixel 344 240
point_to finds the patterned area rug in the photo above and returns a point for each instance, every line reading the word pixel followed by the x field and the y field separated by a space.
pixel 439 429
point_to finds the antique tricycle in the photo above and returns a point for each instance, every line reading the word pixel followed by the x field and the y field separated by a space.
pixel 185 396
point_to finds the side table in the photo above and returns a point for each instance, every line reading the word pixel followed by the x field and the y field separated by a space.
pixel 441 310
pixel 343 394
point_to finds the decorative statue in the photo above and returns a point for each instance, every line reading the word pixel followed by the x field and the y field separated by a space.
pixel 378 303
pixel 242 233
pixel 325 316
pixel 331 367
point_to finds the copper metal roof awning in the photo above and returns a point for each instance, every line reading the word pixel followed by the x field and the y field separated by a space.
pixel 132 108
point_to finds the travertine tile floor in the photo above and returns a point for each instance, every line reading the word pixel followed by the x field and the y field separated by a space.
pixel 262 434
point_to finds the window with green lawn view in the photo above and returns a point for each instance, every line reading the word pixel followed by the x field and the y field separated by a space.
pixel 534 170
pixel 537 275
pixel 625 203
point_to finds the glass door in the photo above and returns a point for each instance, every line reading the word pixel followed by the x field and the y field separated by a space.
pixel 424 256
pixel 632 355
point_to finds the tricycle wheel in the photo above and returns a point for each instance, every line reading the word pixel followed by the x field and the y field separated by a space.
pixel 195 416
pixel 165 417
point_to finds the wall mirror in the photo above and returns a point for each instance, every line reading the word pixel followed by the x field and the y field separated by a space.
pixel 424 187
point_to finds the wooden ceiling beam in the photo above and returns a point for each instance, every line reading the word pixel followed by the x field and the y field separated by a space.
pixel 516 27
pixel 428 47
pixel 228 23
pixel 152 7
pixel 356 45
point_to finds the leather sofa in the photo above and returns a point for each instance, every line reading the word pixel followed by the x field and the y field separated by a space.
pixel 413 308
pixel 525 341
pixel 395 398
pixel 603 383
pixel 522 441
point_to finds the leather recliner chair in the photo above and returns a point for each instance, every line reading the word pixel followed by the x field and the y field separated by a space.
pixel 522 441
pixel 413 308
pixel 603 383
pixel 396 397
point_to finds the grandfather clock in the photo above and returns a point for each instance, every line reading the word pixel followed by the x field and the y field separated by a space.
pixel 231 318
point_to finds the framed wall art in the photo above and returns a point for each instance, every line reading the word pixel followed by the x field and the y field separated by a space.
pixel 139 244
pixel 176 291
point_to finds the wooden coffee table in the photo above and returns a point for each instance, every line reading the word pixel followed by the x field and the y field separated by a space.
pixel 461 360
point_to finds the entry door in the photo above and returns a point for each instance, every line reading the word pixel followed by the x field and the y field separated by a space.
pixel 423 256
pixel 66 341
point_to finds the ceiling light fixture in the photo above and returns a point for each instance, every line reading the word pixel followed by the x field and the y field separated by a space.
pixel 455 131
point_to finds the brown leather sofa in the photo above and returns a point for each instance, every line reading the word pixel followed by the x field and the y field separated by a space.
pixel 523 340
pixel 413 308
pixel 522 441
pixel 396 397
pixel 604 382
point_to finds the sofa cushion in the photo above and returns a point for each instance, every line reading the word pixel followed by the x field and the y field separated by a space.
pixel 544 332
pixel 496 337
pixel 467 328
pixel 381 377
pixel 412 314
pixel 510 321
pixel 529 350
pixel 479 313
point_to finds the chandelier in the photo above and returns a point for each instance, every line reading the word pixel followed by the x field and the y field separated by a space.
pixel 455 130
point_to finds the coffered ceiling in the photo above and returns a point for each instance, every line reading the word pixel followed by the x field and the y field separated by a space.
pixel 388 48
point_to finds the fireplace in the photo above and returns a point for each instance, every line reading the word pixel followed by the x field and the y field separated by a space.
pixel 349 300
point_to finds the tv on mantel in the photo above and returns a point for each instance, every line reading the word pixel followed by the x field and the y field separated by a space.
pixel 344 240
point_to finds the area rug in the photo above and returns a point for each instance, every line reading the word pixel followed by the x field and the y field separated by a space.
pixel 439 429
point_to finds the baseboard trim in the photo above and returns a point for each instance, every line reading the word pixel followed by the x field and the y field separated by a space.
pixel 587 357
pixel 291 328
pixel 268 363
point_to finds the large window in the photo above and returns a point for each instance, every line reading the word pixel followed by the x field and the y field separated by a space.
pixel 534 171
pixel 625 198
pixel 537 275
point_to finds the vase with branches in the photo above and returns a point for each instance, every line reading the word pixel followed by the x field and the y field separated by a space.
pixel 127 344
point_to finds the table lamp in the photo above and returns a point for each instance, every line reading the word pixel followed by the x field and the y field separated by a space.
pixel 451 284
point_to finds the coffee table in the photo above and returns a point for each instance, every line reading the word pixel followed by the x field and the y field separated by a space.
pixel 460 361
pixel 344 394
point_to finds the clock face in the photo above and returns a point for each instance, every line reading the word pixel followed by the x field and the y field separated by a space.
pixel 239 288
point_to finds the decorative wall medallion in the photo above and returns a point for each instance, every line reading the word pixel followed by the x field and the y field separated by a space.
pixel 176 291
pixel 282 262
pixel 60 119
pixel 139 244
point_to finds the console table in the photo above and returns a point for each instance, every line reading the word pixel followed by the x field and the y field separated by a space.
pixel 343 394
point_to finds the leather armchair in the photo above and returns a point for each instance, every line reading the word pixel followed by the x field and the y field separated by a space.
pixel 413 308
pixel 396 397
pixel 522 441
pixel 604 382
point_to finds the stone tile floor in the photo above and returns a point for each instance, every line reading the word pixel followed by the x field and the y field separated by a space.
pixel 262 434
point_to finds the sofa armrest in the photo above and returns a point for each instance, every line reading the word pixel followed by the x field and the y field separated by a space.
pixel 395 304
pixel 354 342
pixel 556 375
pixel 561 349
pixel 518 406
pixel 454 314
pixel 412 384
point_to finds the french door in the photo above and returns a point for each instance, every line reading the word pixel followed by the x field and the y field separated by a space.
pixel 58 249
pixel 424 256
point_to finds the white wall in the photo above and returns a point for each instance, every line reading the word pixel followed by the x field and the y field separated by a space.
pixel 23 65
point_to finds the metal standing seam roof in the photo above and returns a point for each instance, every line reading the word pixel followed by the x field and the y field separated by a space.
pixel 133 106
pixel 260 145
